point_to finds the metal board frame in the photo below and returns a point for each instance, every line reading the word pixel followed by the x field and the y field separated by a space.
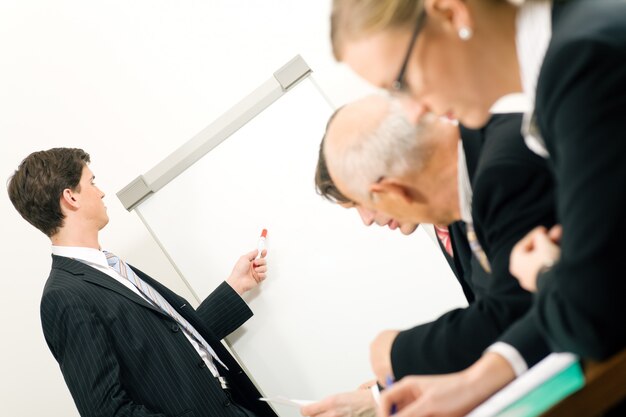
pixel 195 148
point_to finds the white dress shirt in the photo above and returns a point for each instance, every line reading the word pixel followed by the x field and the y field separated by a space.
pixel 533 34
pixel 512 103
pixel 97 259
pixel 464 186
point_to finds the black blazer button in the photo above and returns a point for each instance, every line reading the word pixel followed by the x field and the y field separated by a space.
pixel 226 402
pixel 201 364
pixel 175 328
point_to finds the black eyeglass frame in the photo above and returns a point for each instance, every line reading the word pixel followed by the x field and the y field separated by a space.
pixel 399 84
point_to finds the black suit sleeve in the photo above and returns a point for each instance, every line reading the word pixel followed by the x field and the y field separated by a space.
pixel 223 311
pixel 77 337
pixel 451 343
pixel 581 110
pixel 513 193
pixel 520 198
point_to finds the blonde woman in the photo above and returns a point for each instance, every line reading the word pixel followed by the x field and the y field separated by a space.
pixel 458 58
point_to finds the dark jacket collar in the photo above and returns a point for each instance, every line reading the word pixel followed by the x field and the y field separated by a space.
pixel 92 275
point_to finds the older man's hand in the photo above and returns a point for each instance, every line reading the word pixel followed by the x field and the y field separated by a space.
pixel 380 355
pixel 359 403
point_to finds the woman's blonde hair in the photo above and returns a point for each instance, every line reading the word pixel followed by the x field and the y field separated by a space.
pixel 351 19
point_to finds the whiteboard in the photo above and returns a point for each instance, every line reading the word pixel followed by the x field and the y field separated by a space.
pixel 333 284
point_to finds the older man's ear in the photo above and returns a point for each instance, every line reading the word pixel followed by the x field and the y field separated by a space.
pixel 395 190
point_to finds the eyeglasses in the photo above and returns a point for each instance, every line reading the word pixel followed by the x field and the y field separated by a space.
pixel 399 85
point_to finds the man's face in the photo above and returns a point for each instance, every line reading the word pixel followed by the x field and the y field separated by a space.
pixel 370 217
pixel 427 196
pixel 92 208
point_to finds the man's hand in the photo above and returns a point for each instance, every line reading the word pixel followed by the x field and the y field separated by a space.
pixel 538 249
pixel 380 355
pixel 359 403
pixel 248 272
pixel 447 395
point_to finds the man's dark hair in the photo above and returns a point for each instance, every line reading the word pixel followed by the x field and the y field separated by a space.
pixel 36 187
pixel 324 184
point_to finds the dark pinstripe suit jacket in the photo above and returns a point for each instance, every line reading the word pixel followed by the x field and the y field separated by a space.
pixel 122 357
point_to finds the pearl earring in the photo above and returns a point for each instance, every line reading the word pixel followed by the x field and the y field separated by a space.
pixel 465 33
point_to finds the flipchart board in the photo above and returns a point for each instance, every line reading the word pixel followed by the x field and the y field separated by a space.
pixel 333 284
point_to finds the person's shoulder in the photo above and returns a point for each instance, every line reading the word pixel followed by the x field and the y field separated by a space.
pixel 64 278
pixel 504 143
pixel 586 60
pixel 599 19
pixel 593 23
pixel 500 139
pixel 506 124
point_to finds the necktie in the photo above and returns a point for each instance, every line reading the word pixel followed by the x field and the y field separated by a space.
pixel 157 300
pixel 477 250
pixel 444 237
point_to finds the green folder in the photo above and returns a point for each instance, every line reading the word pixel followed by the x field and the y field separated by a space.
pixel 544 396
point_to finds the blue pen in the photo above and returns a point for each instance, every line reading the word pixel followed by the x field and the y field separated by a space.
pixel 389 384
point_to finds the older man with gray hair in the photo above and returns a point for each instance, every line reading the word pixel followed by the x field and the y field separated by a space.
pixel 490 189
pixel 381 160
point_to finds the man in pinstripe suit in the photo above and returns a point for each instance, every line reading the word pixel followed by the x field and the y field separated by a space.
pixel 121 352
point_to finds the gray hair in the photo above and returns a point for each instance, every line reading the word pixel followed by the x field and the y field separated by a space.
pixel 394 148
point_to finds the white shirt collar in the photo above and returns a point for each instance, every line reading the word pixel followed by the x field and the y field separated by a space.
pixel 533 34
pixel 97 258
pixel 89 255
pixel 464 186
pixel 511 103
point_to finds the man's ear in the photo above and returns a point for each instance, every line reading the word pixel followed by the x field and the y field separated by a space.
pixel 68 200
pixel 452 14
pixel 392 189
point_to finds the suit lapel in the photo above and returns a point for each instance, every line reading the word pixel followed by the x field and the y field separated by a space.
pixel 93 276
pixel 181 306
pixel 189 313
pixel 100 279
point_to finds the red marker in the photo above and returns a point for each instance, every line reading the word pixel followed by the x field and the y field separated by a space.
pixel 261 244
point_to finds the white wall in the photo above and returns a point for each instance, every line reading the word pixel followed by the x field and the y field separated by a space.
pixel 128 81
